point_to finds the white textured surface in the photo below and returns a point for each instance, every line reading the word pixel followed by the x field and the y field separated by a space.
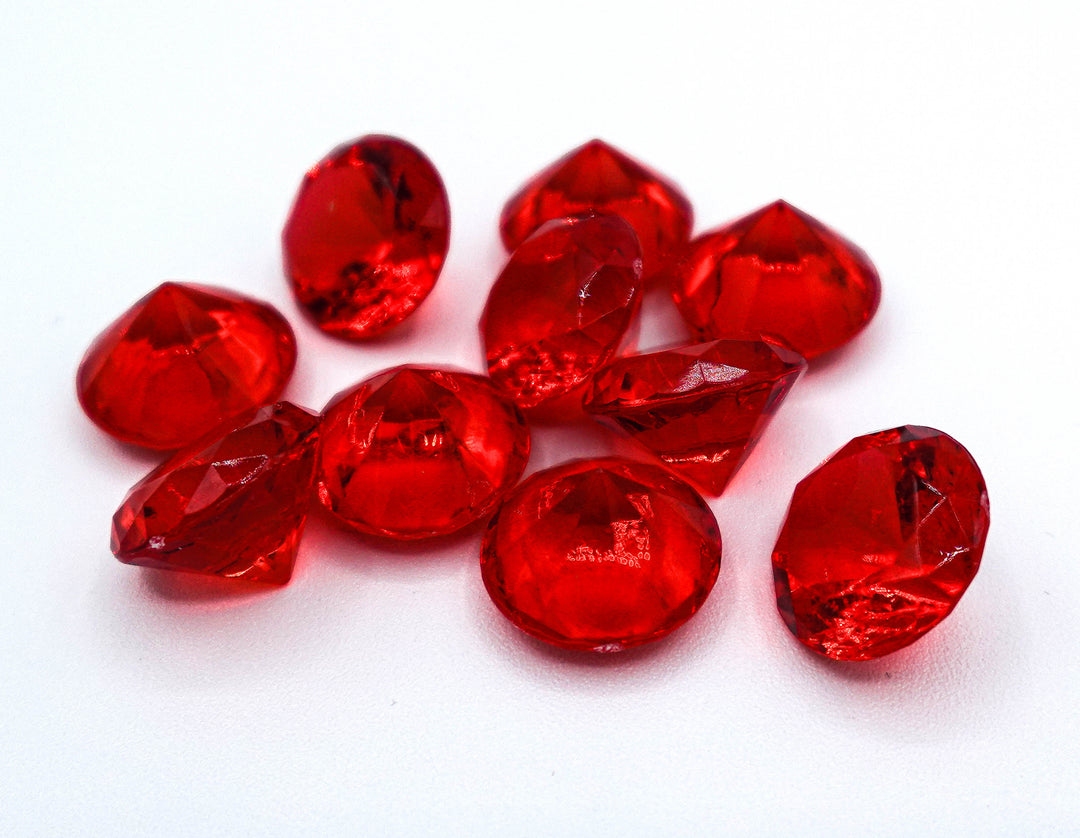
pixel 381 693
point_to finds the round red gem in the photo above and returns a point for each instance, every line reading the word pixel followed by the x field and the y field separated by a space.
pixel 601 554
pixel 185 362
pixel 601 178
pixel 367 236
pixel 777 272
pixel 880 543
pixel 414 452
pixel 561 306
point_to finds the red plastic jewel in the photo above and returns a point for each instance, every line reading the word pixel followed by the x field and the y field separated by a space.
pixel 699 408
pixel 367 236
pixel 414 452
pixel 598 177
pixel 777 272
pixel 601 554
pixel 184 362
pixel 561 306
pixel 234 507
pixel 880 543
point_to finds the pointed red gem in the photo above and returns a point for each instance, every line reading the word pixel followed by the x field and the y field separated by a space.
pixel 234 507
pixel 777 272
pixel 184 362
pixel 598 177
pixel 880 543
pixel 699 408
pixel 601 554
pixel 415 452
pixel 561 306
pixel 367 236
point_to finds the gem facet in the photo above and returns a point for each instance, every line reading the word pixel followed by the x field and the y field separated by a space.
pixel 598 177
pixel 234 507
pixel 367 236
pixel 601 554
pixel 880 542
pixel 699 408
pixel 777 272
pixel 184 362
pixel 415 452
pixel 561 306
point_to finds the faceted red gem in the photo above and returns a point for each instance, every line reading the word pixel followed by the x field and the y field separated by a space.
pixel 367 236
pixel 699 408
pixel 184 362
pixel 776 272
pixel 598 177
pixel 601 554
pixel 880 543
pixel 233 507
pixel 414 452
pixel 561 306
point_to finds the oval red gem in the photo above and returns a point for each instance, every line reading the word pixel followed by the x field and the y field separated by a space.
pixel 600 178
pixel 777 272
pixel 601 554
pixel 367 236
pixel 880 543
pixel 415 452
pixel 185 362
pixel 561 307
pixel 233 508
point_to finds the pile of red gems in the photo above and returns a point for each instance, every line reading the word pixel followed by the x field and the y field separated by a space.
pixel 880 541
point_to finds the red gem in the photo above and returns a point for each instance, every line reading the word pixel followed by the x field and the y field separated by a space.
pixel 367 236
pixel 561 306
pixel 880 542
pixel 601 554
pixel 699 408
pixel 598 177
pixel 233 508
pixel 777 272
pixel 414 452
pixel 185 362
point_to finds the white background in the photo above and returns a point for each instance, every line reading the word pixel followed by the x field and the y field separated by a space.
pixel 381 693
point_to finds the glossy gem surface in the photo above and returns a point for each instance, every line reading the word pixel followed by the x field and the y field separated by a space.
pixel 415 452
pixel 367 236
pixel 185 361
pixel 601 554
pixel 780 273
pixel 598 177
pixel 234 507
pixel 561 307
pixel 699 408
pixel 880 542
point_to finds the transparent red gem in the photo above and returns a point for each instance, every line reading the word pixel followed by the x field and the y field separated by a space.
pixel 561 307
pixel 601 178
pixel 880 543
pixel 415 452
pixel 601 554
pixel 367 236
pixel 233 507
pixel 777 272
pixel 699 408
pixel 184 362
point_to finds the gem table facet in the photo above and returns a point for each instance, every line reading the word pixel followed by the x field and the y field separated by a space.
pixel 367 236
pixel 232 507
pixel 415 452
pixel 880 542
pixel 561 307
pixel 601 178
pixel 777 272
pixel 699 408
pixel 601 554
pixel 184 362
